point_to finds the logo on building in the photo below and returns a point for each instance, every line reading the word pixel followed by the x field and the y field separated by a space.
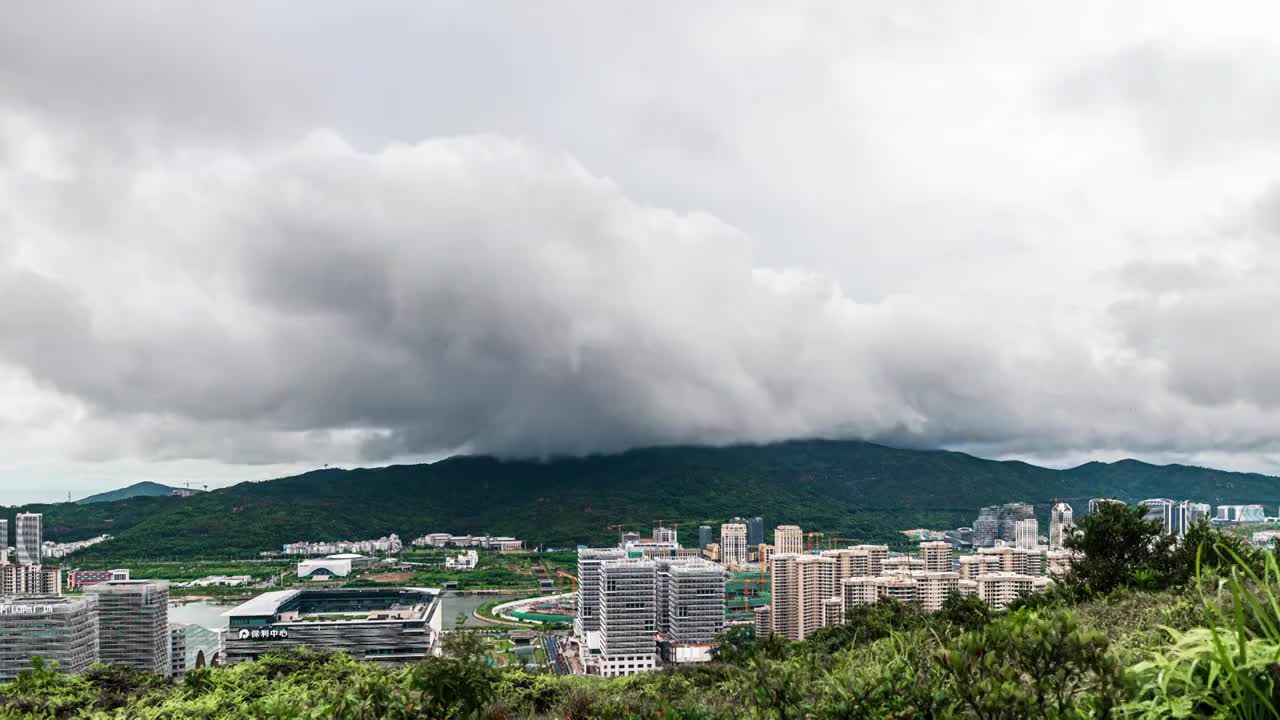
pixel 272 634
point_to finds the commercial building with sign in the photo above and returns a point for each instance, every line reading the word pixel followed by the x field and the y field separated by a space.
pixel 391 625
pixel 58 629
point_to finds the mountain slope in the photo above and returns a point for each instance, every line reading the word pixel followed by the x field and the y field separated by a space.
pixel 141 489
pixel 853 489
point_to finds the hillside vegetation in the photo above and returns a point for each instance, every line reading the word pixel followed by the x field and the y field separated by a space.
pixel 854 489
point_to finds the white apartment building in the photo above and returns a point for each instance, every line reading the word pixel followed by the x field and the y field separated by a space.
pixel 1060 524
pixel 628 617
pixel 850 562
pixel 1012 559
pixel 799 585
pixel 902 588
pixel 1027 533
pixel 1058 562
pixel 733 545
pixel 587 624
pixel 832 611
pixel 901 565
pixel 1000 589
pixel 761 619
pixel 932 588
pixel 967 587
pixel 788 539
pixel 30 580
pixel 859 590
pixel 876 555
pixel 936 556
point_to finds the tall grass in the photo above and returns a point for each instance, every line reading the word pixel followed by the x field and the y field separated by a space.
pixel 1230 668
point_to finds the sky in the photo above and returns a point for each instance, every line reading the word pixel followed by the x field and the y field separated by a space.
pixel 239 242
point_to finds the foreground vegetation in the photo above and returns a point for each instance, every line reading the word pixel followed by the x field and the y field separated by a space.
pixel 1147 630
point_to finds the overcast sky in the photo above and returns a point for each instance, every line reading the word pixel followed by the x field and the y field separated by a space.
pixel 242 241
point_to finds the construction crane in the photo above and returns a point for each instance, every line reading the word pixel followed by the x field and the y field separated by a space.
pixel 620 529
pixel 812 540
pixel 832 542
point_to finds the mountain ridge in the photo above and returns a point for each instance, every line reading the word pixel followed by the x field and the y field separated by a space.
pixel 850 488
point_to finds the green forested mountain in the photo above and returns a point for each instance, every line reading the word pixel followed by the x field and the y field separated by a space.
pixel 140 489
pixel 854 489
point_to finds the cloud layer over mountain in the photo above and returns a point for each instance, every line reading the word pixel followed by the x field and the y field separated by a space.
pixel 221 242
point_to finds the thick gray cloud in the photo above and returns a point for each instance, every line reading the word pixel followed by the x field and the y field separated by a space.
pixel 286 238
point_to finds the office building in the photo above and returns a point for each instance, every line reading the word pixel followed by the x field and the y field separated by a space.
pixel 1096 504
pixel 1010 515
pixel 192 647
pixel 1178 513
pixel 932 588
pixel 628 616
pixel 60 630
pixel 936 556
pixel 80 579
pixel 588 616
pixel 733 545
pixel 328 568
pixel 1197 512
pixel 987 527
pixel 30 580
pixel 1160 511
pixel 28 538
pixel 1240 514
pixel 665 535
pixel 1027 534
pixel 1001 588
pixel 4 541
pixel 799 585
pixel 1060 524
pixel 705 537
pixel 755 531
pixel 133 620
pixel 385 625
pixel 788 540
pixel 691 607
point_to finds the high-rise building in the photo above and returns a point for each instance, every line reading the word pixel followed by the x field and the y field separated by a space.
pixel 1010 514
pixel 692 601
pixel 1000 589
pixel 4 541
pixel 859 590
pixel 28 537
pixel 61 630
pixel 832 611
pixel 764 552
pixel 850 562
pixel 133 618
pixel 628 616
pixel 1178 514
pixel 733 545
pixel 761 618
pixel 788 540
pixel 705 537
pixel 876 555
pixel 30 580
pixel 1096 504
pixel 589 559
pixel 1197 512
pixel 902 588
pixel 901 565
pixel 936 556
pixel 1060 524
pixel 755 531
pixel 1160 510
pixel 799 585
pixel 987 527
pixel 1027 534
pixel 1058 562
pixel 932 588
pixel 665 535
pixel 1010 559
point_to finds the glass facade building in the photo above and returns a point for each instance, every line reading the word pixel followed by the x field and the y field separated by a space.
pixel 134 624
pixel 60 630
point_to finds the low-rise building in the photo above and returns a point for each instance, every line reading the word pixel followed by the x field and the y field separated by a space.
pixel 80 579
pixel 30 580
pixel 385 625
pixel 192 647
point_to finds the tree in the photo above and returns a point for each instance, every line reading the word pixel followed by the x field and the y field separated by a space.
pixel 1118 548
